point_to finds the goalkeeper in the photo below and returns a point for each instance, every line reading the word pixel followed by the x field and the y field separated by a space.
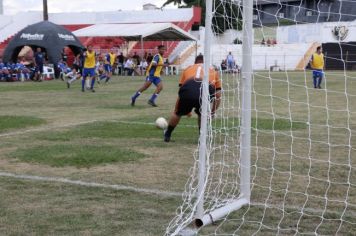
pixel 317 65
pixel 189 94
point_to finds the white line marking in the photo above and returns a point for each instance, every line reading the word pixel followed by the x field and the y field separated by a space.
pixel 148 191
pixel 46 128
pixel 90 184
pixel 75 124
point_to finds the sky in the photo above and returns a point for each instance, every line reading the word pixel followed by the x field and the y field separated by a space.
pixel 14 6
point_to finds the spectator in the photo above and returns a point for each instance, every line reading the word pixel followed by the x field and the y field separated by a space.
pixel 149 58
pixel 143 65
pixel 268 42
pixel 120 63
pixel 129 66
pixel 230 61
pixel 263 42
pixel 39 61
pixel 136 58
pixel 223 65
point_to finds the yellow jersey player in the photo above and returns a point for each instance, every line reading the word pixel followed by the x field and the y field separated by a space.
pixel 317 65
pixel 153 74
pixel 109 62
pixel 89 68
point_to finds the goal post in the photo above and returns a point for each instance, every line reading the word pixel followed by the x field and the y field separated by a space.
pixel 245 128
pixel 278 157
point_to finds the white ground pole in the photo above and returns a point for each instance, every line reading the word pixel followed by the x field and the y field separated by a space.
pixel 245 130
pixel 204 111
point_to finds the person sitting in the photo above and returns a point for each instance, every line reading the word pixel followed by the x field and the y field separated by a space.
pixel 129 66
pixel 143 65
pixel 223 66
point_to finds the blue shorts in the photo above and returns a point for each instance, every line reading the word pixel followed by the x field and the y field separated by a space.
pixel 318 74
pixel 88 72
pixel 108 68
pixel 153 79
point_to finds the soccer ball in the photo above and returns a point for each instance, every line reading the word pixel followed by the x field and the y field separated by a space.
pixel 161 123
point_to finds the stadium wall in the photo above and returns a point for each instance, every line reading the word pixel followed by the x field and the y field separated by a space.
pixel 331 32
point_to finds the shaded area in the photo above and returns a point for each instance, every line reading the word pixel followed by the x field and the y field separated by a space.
pixel 340 56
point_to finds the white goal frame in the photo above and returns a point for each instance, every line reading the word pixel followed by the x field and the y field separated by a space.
pixel 202 219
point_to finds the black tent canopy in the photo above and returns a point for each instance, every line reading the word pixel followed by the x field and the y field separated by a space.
pixel 47 35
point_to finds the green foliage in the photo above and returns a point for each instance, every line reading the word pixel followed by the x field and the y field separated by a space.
pixel 227 14
pixel 61 155
pixel 18 122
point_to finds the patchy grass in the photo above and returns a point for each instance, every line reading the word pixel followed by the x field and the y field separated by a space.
pixel 18 122
pixel 302 149
pixel 76 155
pixel 45 208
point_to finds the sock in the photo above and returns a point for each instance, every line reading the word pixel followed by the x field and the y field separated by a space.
pixel 154 96
pixel 72 80
pixel 319 82
pixel 314 81
pixel 170 130
pixel 107 79
pixel 83 84
pixel 92 83
pixel 136 95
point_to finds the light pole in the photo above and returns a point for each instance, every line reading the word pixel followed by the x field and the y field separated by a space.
pixel 45 10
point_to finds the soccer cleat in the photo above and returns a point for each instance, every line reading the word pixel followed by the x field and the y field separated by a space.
pixel 152 103
pixel 92 90
pixel 167 137
pixel 133 101
pixel 83 90
pixel 319 87
pixel 68 85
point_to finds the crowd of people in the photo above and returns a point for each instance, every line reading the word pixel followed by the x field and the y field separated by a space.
pixel 31 69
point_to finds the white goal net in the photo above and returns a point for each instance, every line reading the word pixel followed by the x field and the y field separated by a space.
pixel 302 155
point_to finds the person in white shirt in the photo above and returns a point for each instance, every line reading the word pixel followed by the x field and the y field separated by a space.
pixel 129 66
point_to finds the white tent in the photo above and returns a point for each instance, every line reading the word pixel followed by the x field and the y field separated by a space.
pixel 137 32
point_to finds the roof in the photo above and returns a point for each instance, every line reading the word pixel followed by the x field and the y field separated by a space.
pixel 134 32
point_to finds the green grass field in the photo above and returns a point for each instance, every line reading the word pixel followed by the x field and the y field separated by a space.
pixel 50 131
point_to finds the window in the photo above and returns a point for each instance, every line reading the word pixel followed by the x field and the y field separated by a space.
pixel 255 17
pixel 280 14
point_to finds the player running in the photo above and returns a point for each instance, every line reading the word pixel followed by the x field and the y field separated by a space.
pixel 189 94
pixel 153 74
pixel 108 65
pixel 89 68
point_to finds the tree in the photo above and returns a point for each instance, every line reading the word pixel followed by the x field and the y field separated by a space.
pixel 227 13
pixel 175 2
